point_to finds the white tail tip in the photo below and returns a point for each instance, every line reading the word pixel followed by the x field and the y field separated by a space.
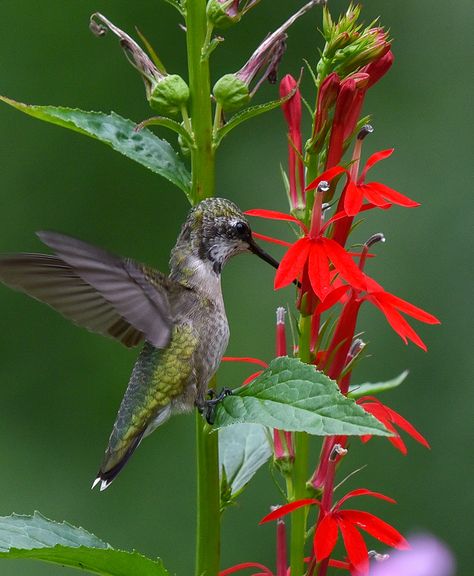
pixel 104 484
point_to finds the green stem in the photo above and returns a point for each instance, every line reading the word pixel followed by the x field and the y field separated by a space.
pixel 202 158
pixel 203 178
pixel 208 500
pixel 300 469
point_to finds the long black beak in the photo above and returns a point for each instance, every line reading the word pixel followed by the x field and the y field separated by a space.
pixel 255 248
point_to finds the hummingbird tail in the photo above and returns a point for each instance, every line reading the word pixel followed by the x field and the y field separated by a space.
pixel 106 475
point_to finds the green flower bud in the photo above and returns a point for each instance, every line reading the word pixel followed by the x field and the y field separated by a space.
pixel 231 92
pixel 169 95
pixel 220 13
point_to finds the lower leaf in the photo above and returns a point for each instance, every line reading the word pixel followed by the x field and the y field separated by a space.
pixel 38 538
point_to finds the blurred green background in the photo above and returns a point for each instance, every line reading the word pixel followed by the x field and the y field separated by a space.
pixel 61 386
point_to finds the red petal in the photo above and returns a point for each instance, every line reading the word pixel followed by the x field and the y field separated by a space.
pixel 243 566
pixel 270 239
pixel 333 298
pixel 344 264
pixel 327 175
pixel 352 198
pixel 374 197
pixel 287 508
pixel 339 564
pixel 292 107
pixel 318 269
pixel 363 492
pixel 407 427
pixel 325 537
pixel 355 546
pixel 375 527
pixel 292 263
pixel 408 308
pixel 398 323
pixel 274 215
pixel 342 214
pixel 251 377
pixel 247 359
pixel 391 195
pixel 373 160
pixel 381 413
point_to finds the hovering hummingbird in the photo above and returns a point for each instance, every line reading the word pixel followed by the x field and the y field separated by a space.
pixel 180 317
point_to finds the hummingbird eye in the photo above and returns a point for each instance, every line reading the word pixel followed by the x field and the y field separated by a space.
pixel 241 228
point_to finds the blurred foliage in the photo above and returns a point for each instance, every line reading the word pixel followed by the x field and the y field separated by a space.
pixel 60 386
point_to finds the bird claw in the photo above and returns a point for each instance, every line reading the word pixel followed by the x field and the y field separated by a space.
pixel 209 406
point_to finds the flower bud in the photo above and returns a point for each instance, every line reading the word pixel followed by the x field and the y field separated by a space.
pixel 225 13
pixel 166 93
pixel 231 92
pixel 169 95
pixel 349 46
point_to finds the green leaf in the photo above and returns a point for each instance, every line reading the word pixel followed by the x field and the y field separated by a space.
pixel 294 396
pixel 248 113
pixel 170 124
pixel 243 449
pixel 369 388
pixel 38 538
pixel 143 147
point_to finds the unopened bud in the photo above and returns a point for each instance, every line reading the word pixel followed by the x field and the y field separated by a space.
pixel 166 93
pixel 222 13
pixel 225 13
pixel 231 92
pixel 169 95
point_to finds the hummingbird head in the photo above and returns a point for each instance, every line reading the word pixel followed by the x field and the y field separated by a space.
pixel 214 231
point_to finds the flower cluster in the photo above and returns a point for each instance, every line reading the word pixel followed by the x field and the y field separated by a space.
pixel 331 276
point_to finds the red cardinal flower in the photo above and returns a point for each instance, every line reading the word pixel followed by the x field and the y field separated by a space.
pixel 374 192
pixel 314 253
pixel 348 523
pixel 388 303
pixel 348 106
pixel 389 417
pixel 292 113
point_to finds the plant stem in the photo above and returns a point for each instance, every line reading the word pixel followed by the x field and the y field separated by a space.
pixel 208 501
pixel 300 469
pixel 203 184
pixel 202 158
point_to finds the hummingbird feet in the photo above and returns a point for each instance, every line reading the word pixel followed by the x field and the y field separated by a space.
pixel 208 407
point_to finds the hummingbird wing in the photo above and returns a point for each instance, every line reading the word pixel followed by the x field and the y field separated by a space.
pixel 94 288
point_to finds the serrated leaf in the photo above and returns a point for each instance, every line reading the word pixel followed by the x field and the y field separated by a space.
pixel 38 538
pixel 143 147
pixel 293 396
pixel 369 388
pixel 243 449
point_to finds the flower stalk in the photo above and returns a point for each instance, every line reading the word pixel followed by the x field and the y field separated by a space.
pixel 203 186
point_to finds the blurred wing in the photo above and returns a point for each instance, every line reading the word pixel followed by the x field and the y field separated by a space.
pixel 50 280
pixel 94 289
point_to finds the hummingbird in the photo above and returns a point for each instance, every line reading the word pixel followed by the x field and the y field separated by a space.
pixel 180 318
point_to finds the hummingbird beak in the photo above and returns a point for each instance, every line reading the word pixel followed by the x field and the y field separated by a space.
pixel 255 249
